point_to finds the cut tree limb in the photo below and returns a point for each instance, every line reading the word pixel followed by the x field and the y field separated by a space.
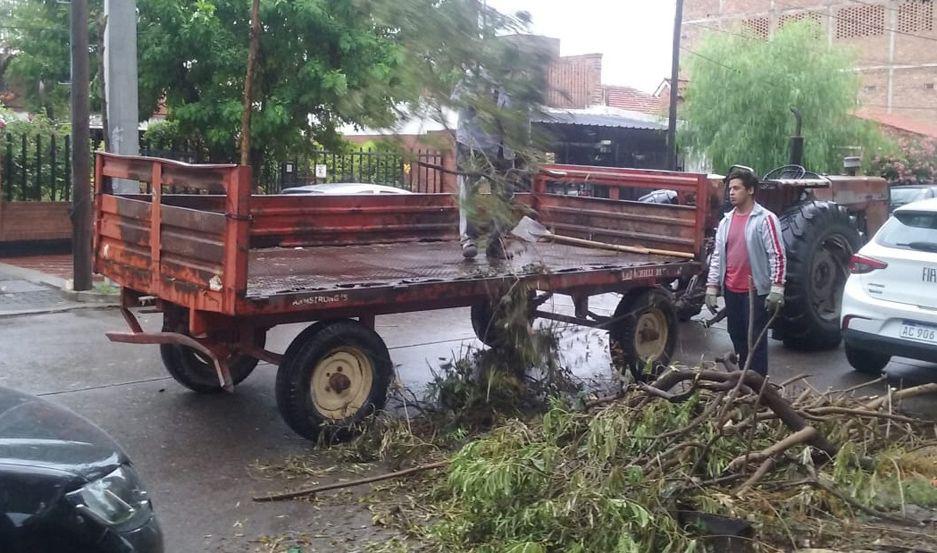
pixel 337 486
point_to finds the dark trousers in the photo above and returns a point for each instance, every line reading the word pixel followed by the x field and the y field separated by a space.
pixel 471 222
pixel 737 313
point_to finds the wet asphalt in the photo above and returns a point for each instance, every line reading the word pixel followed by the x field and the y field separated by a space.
pixel 200 454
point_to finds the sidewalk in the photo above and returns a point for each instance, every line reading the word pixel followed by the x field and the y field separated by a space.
pixel 42 284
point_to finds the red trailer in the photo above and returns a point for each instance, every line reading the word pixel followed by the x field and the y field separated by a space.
pixel 224 267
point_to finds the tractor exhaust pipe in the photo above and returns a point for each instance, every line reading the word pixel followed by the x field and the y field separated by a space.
pixel 797 141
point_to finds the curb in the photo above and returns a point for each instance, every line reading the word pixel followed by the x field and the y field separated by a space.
pixel 53 310
pixel 64 285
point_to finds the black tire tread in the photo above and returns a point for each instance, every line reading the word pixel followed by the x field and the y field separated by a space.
pixel 620 341
pixel 800 227
pixel 303 353
pixel 866 361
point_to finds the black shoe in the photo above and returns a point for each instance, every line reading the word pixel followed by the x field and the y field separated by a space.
pixel 469 249
pixel 496 250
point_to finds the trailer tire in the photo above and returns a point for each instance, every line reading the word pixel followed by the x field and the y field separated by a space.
pixel 486 317
pixel 189 368
pixel 820 238
pixel 644 333
pixel 333 376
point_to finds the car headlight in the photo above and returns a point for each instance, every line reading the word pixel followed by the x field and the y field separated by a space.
pixel 116 500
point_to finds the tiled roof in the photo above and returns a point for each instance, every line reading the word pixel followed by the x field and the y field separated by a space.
pixel 899 122
pixel 632 99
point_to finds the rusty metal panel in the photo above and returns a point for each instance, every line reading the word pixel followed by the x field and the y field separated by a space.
pixel 622 222
pixel 331 220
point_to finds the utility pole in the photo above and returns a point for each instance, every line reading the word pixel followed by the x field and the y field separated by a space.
pixel 81 182
pixel 674 88
pixel 120 84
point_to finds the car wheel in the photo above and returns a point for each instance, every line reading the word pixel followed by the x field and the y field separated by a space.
pixel 866 361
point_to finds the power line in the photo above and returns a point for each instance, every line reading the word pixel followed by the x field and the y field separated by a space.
pixel 709 59
pixel 858 22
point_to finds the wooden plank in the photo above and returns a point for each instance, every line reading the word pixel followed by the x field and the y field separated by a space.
pixel 201 247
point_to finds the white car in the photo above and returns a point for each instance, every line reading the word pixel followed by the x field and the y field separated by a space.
pixel 343 189
pixel 890 300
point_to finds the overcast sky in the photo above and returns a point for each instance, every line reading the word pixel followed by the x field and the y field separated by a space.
pixel 635 36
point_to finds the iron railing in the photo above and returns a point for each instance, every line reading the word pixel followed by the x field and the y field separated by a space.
pixel 35 168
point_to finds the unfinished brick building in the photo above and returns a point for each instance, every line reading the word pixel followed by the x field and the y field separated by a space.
pixel 896 42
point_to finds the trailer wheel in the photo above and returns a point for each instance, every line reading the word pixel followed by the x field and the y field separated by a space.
pixel 489 324
pixel 196 372
pixel 644 333
pixel 332 377
pixel 820 239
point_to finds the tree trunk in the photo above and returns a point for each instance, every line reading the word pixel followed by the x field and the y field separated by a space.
pixel 249 84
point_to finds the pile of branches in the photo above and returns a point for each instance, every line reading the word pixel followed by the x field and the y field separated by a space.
pixel 647 469
pixel 666 465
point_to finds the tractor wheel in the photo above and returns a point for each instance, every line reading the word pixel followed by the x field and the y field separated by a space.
pixel 644 333
pixel 820 239
pixel 333 375
pixel 193 370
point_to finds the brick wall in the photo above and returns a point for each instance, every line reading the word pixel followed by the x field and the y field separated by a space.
pixel 575 82
pixel 895 41
pixel 33 221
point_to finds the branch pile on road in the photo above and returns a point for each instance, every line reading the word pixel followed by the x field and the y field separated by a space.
pixel 700 459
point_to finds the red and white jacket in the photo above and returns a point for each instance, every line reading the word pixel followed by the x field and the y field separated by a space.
pixel 766 252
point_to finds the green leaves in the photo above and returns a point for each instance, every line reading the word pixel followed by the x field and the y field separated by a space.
pixel 741 90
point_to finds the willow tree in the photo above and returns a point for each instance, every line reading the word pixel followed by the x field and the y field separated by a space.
pixel 741 90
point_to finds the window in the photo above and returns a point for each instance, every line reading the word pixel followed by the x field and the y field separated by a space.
pixel 928 86
pixel 869 88
pixel 799 16
pixel 910 229
pixel 758 26
pixel 916 16
pixel 860 21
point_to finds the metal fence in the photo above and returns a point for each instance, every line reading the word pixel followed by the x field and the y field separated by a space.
pixel 38 168
pixel 417 172
pixel 35 168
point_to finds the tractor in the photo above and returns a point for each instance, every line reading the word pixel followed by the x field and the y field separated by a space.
pixel 824 220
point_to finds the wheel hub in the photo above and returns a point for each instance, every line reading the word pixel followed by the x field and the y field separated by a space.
pixel 651 336
pixel 341 383
pixel 828 275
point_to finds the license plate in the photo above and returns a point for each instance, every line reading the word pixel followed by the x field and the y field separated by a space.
pixel 919 332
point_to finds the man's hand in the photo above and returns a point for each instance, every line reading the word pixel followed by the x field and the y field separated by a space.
pixel 712 294
pixel 775 301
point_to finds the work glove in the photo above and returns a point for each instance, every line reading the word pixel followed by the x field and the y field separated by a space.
pixel 775 301
pixel 712 294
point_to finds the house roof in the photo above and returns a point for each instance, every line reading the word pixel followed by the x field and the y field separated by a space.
pixel 632 99
pixel 601 116
pixel 899 122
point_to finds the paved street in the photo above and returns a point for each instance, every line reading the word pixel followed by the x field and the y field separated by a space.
pixel 196 452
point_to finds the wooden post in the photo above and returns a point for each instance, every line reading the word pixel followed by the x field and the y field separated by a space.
pixel 81 187
pixel 249 84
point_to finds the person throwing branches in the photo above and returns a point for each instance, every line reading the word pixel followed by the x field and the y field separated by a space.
pixel 749 253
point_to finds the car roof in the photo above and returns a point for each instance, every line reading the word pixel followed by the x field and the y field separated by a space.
pixel 920 205
pixel 346 186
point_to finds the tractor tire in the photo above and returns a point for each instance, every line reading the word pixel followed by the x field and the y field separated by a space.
pixel 644 332
pixel 820 238
pixel 189 368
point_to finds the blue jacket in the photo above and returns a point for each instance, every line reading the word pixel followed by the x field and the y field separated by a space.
pixel 765 252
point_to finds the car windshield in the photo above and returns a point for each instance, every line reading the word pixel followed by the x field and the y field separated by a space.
pixel 901 196
pixel 910 229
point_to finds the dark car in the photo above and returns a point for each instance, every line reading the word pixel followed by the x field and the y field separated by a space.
pixel 905 194
pixel 66 486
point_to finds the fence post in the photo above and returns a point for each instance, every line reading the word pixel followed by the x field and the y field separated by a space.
pixel 68 168
pixel 23 166
pixel 38 168
pixel 52 183
pixel 8 169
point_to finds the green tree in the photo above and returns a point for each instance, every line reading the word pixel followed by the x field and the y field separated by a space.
pixel 36 42
pixel 741 89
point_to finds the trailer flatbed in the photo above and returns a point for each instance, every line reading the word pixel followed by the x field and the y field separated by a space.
pixel 225 266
